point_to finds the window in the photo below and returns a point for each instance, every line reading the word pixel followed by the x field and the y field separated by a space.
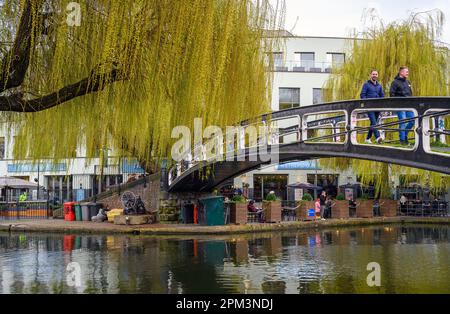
pixel 2 148
pixel 317 96
pixel 305 59
pixel 335 59
pixel 289 98
pixel 277 59
pixel 59 188
pixel 263 184
pixel 329 182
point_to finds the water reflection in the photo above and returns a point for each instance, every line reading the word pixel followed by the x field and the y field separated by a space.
pixel 412 259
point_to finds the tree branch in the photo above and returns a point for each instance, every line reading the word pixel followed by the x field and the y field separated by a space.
pixel 91 84
pixel 15 64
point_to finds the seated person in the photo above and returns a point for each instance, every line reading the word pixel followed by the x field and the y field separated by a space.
pixel 253 209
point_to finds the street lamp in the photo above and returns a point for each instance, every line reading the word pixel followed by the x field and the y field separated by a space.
pixel 37 181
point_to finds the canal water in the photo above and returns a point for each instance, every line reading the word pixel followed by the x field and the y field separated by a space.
pixel 413 259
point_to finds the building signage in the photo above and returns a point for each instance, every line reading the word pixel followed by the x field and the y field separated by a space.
pixel 131 166
pixel 42 167
pixel 299 165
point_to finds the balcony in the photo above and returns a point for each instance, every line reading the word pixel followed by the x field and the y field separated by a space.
pixel 306 67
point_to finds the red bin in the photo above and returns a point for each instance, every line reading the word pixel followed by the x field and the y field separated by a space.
pixel 69 241
pixel 69 211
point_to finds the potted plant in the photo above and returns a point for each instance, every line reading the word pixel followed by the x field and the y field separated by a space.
pixel 306 203
pixel 238 210
pixel 272 208
pixel 340 208
pixel 364 207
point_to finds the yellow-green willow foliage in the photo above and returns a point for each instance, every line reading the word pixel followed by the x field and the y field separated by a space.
pixel 386 48
pixel 180 60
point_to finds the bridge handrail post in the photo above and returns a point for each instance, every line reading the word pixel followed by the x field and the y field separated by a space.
pixel 164 181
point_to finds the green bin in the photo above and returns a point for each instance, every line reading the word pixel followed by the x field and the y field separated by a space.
pixel 212 211
pixel 78 216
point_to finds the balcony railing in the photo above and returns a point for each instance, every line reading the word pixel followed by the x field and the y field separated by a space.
pixel 306 66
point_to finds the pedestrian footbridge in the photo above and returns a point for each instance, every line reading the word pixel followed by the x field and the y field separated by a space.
pixel 336 129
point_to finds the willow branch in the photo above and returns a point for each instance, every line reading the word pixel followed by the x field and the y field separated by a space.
pixel 91 84
pixel 15 64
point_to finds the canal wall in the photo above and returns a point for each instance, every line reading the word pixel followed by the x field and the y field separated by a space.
pixel 87 227
pixel 147 188
pixel 167 205
pixel 170 205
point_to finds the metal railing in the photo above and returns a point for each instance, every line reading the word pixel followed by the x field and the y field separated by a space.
pixel 24 210
pixel 120 188
pixel 342 124
pixel 424 209
pixel 306 66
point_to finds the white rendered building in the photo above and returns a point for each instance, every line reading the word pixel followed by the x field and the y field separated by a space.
pixel 72 179
pixel 301 68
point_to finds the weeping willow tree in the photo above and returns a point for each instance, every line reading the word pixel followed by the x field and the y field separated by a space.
pixel 121 74
pixel 387 47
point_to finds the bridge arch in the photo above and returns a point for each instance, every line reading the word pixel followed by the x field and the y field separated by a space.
pixel 291 140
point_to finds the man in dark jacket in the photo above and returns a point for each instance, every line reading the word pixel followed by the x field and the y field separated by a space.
pixel 373 89
pixel 401 87
pixel 323 200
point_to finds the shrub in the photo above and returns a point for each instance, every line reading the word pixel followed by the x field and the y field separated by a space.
pixel 271 197
pixel 340 197
pixel 307 197
pixel 239 199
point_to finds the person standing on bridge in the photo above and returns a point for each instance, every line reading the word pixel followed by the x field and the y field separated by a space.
pixel 401 87
pixel 373 89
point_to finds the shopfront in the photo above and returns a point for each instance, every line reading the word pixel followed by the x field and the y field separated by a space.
pixel 264 183
pixel 329 182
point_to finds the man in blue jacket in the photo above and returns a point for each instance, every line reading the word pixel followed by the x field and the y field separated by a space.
pixel 373 89
pixel 401 87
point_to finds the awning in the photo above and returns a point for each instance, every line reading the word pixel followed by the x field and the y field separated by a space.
pixel 16 183
pixel 306 186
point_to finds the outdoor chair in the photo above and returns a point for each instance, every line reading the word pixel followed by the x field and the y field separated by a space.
pixel 444 209
pixel 251 217
pixel 255 216
pixel 410 209
pixel 427 209
pixel 290 213
pixel 439 209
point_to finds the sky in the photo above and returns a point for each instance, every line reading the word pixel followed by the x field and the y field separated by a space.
pixel 339 18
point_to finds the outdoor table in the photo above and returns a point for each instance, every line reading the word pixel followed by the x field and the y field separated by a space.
pixel 426 209
pixel 442 208
pixel 419 208
pixel 433 208
pixel 289 213
pixel 414 208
